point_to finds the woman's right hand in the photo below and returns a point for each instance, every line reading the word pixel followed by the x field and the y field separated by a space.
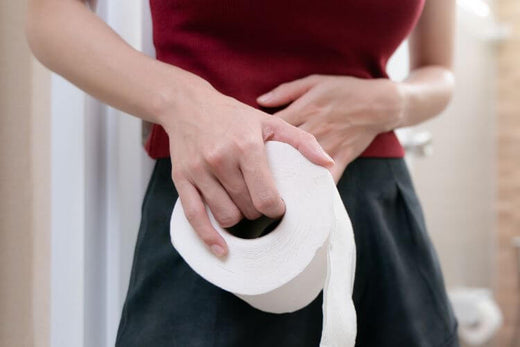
pixel 218 157
pixel 216 142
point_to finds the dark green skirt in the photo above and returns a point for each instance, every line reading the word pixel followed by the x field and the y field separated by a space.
pixel 399 291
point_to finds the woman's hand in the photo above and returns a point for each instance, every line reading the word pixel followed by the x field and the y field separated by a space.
pixel 218 156
pixel 343 113
pixel 216 142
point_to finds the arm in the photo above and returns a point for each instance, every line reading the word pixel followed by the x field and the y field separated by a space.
pixel 429 87
pixel 346 113
pixel 216 142
pixel 72 41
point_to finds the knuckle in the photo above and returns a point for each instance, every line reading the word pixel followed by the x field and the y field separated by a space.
pixel 215 157
pixel 281 86
pixel 251 213
pixel 195 166
pixel 271 126
pixel 192 214
pixel 177 173
pixel 206 236
pixel 268 131
pixel 311 137
pixel 247 145
pixel 236 189
pixel 308 137
pixel 276 122
pixel 315 107
pixel 266 202
pixel 229 218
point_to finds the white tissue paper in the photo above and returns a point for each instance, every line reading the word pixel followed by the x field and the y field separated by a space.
pixel 311 249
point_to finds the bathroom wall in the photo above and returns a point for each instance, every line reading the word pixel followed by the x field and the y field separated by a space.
pixel 15 223
pixel 456 182
pixel 508 169
pixel 470 186
pixel 24 186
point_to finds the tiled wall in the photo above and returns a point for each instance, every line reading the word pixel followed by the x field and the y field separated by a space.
pixel 508 166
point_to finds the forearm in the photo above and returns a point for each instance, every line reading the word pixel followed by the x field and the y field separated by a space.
pixel 74 42
pixel 425 93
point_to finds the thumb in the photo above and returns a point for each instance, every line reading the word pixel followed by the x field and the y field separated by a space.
pixel 277 129
pixel 289 91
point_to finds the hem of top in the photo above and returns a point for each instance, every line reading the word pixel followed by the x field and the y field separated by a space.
pixel 384 145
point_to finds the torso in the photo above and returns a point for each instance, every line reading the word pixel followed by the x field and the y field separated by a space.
pixel 246 48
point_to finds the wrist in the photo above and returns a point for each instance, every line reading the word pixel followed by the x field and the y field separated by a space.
pixel 394 100
pixel 168 101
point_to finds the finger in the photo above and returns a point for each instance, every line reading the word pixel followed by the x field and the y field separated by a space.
pixel 224 210
pixel 278 130
pixel 289 91
pixel 230 176
pixel 260 182
pixel 196 215
pixel 294 114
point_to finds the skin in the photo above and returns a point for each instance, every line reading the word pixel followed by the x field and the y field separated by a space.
pixel 346 113
pixel 217 142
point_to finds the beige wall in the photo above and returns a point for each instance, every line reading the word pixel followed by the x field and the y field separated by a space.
pixel 508 185
pixel 24 186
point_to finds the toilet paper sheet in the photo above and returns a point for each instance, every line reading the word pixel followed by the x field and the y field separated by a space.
pixel 311 249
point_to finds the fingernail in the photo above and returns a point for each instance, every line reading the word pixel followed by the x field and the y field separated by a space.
pixel 283 203
pixel 218 250
pixel 265 97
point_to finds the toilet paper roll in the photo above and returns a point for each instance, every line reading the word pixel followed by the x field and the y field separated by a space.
pixel 312 248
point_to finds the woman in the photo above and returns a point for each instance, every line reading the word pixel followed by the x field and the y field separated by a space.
pixel 231 75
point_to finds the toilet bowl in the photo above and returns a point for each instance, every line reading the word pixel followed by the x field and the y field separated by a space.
pixel 478 314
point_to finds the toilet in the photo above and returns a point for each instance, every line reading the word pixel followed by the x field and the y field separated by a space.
pixel 478 315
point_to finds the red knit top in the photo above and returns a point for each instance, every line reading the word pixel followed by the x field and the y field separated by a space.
pixel 245 48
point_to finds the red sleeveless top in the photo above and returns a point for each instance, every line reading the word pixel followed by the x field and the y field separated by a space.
pixel 245 48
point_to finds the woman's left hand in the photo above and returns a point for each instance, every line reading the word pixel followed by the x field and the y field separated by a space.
pixel 343 113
